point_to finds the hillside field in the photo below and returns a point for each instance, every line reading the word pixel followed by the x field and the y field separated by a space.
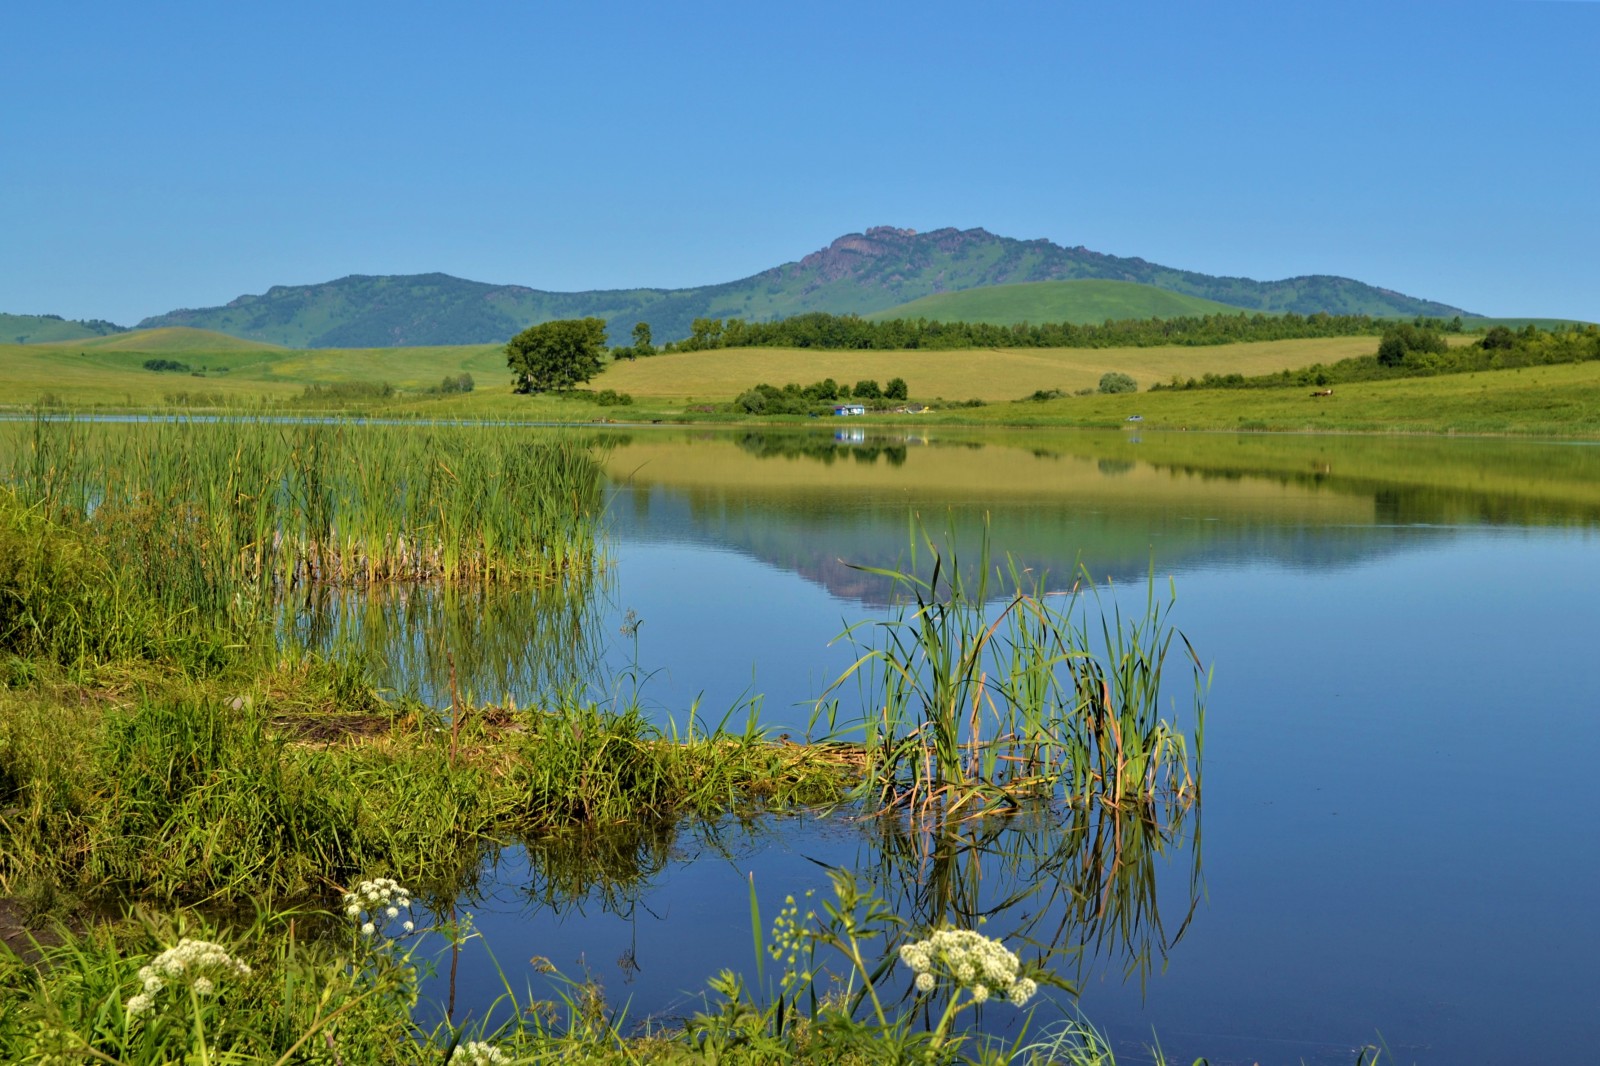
pixel 108 372
pixel 1081 302
pixel 991 374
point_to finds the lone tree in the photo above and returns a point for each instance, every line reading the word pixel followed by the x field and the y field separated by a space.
pixel 1116 381
pixel 557 355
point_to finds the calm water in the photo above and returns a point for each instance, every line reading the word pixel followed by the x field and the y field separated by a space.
pixel 1393 834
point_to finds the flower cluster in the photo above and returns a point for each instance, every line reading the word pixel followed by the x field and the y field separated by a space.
pixel 198 962
pixel 375 901
pixel 973 960
pixel 478 1053
pixel 789 931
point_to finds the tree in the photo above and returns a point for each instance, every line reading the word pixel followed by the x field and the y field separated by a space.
pixel 1497 337
pixel 895 390
pixel 641 339
pixel 1407 343
pixel 868 390
pixel 1113 381
pixel 557 355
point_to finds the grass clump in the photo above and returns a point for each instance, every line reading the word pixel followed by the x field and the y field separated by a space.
pixel 965 707
pixel 63 601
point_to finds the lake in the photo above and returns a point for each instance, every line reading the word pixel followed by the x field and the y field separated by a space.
pixel 1398 735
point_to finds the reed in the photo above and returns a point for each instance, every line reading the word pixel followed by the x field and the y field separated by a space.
pixel 986 690
pixel 230 516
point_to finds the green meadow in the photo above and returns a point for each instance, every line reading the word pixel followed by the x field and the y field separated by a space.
pixel 224 373
pixel 1080 302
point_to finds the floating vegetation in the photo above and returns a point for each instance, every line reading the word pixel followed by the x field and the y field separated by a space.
pixel 986 690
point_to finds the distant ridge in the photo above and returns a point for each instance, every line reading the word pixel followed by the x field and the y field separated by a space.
pixel 858 273
pixel 43 329
pixel 167 339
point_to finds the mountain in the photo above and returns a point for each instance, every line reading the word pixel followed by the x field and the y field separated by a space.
pixel 858 273
pixel 1082 302
pixel 41 329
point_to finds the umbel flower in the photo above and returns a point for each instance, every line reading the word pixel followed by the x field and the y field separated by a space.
pixel 198 963
pixel 478 1053
pixel 377 901
pixel 973 961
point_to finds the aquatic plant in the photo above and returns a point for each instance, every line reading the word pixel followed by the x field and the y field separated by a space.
pixel 229 516
pixel 986 689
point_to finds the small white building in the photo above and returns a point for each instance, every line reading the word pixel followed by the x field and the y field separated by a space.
pixel 850 409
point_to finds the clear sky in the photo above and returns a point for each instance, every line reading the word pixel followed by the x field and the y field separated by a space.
pixel 164 155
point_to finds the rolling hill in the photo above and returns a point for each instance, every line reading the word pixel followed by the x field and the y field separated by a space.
pixel 859 273
pixel 1081 302
pixel 167 339
pixel 43 329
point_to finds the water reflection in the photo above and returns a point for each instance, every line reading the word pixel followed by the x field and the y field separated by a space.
pixel 491 641
pixel 808 502
pixel 1078 886
pixel 662 908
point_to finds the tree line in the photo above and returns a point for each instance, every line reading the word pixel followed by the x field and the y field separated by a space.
pixel 819 329
pixel 1411 350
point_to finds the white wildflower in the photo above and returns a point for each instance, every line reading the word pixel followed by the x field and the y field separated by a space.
pixel 409 927
pixel 982 966
pixel 478 1053
pixel 199 962
pixel 373 902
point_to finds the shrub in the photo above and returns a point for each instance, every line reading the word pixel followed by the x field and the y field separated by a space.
pixel 1407 343
pixel 1114 381
pixel 613 398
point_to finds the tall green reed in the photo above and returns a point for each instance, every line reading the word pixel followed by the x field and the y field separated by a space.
pixel 226 517
pixel 985 689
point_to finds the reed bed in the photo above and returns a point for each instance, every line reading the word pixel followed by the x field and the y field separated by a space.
pixel 230 515
pixel 985 691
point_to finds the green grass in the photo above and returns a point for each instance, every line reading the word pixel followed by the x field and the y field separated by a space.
pixel 1480 325
pixel 1550 401
pixel 965 709
pixel 1079 302
pixel 1557 401
pixel 167 339
pixel 230 516
pixel 41 329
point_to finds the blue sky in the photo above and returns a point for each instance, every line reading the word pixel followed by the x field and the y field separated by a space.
pixel 161 155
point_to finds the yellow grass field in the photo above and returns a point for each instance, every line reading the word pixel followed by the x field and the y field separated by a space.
pixel 984 374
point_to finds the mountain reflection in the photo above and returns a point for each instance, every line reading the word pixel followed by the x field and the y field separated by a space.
pixel 817 504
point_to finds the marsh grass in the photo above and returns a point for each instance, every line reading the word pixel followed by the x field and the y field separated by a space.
pixel 227 517
pixel 986 690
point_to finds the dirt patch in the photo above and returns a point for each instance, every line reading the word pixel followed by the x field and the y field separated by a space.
pixel 23 937
pixel 331 728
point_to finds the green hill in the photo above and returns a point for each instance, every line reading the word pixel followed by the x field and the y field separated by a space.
pixel 168 339
pixel 42 329
pixel 1081 302
pixel 859 273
